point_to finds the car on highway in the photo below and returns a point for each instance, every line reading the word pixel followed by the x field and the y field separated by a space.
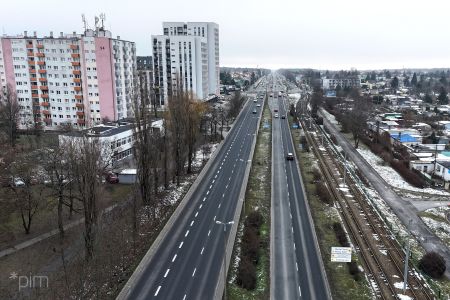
pixel 255 100
pixel 258 105
pixel 276 115
pixel 283 116
pixel 275 110
pixel 289 156
pixel 254 111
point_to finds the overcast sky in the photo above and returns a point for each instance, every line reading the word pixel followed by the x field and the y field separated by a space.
pixel 324 34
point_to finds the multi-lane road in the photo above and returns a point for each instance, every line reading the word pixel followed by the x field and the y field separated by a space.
pixel 296 268
pixel 187 263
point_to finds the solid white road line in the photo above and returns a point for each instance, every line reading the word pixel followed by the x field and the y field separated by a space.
pixel 157 290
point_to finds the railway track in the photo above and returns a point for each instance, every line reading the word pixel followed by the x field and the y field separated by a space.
pixel 381 254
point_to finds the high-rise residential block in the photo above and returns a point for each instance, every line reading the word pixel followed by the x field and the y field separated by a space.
pixel 74 79
pixel 186 57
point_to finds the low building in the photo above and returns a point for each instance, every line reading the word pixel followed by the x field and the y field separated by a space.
pixel 443 171
pixel 127 176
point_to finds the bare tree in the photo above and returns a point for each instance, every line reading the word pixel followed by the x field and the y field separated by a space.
pixel 9 114
pixel 89 159
pixel 27 196
pixel 195 110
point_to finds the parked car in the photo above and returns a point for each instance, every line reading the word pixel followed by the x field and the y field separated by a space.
pixel 17 181
pixel 111 178
pixel 290 156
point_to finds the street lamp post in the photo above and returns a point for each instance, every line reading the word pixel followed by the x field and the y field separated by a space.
pixel 224 224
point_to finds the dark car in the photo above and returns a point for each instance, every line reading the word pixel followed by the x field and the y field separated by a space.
pixel 112 178
pixel 290 156
pixel 283 116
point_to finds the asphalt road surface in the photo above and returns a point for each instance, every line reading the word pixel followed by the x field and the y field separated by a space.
pixel 296 269
pixel 187 263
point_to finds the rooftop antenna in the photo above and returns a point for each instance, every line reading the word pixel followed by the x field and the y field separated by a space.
pixel 84 22
pixel 102 18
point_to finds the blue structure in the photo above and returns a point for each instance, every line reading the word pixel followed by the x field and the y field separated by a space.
pixel 404 138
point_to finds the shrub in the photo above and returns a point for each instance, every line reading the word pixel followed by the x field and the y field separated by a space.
pixel 246 275
pixel 340 234
pixel 254 219
pixel 432 264
pixel 317 176
pixel 354 270
pixel 409 175
pixel 322 192
pixel 250 244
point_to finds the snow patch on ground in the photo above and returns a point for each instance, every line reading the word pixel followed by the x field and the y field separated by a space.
pixel 399 285
pixel 403 297
pixel 441 229
pixel 392 177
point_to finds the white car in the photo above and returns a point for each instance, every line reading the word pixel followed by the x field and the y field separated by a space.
pixel 258 105
pixel 276 115
pixel 17 181
pixel 255 100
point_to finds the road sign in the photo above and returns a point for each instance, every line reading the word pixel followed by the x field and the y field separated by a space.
pixel 341 254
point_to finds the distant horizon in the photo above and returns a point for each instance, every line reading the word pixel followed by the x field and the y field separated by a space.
pixel 335 70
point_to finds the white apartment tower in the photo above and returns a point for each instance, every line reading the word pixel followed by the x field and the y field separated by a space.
pixel 186 57
pixel 72 79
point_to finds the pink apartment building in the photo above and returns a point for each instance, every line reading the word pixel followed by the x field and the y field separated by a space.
pixel 73 79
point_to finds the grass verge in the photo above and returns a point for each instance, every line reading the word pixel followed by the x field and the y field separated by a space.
pixel 257 197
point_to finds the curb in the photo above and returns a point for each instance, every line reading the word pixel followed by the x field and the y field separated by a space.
pixel 124 293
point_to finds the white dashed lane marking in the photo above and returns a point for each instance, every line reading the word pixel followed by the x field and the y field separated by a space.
pixel 157 290
pixel 174 257
pixel 181 245
pixel 167 272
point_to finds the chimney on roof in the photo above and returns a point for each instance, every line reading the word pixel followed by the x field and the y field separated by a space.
pixel 118 37
pixel 51 34
pixel 74 33
pixel 34 33
pixel 61 34
pixel 25 33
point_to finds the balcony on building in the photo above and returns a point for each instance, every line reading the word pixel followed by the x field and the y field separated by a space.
pixel 40 54
pixel 79 105
pixel 43 79
pixel 32 71
pixel 75 55
pixel 45 104
pixel 41 62
pixel 81 122
pixel 43 88
pixel 44 96
pixel 48 121
pixel 80 113
pixel 30 46
pixel 46 112
pixel 31 62
pixel 42 71
pixel 76 63
pixel 30 52
pixel 77 88
pixel 34 95
pixel 77 80
pixel 79 97
pixel 74 47
pixel 76 72
pixel 40 46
